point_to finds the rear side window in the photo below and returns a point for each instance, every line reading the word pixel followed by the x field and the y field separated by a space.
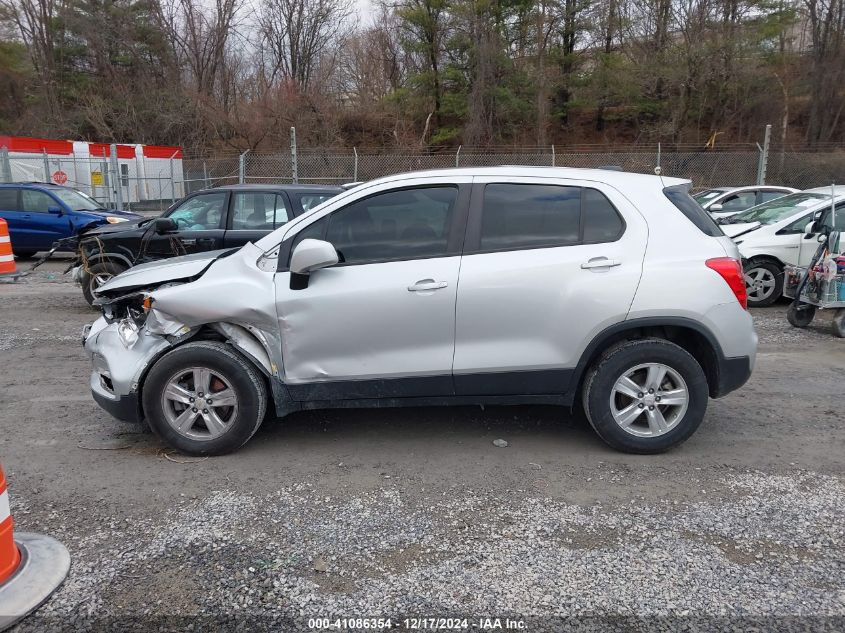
pixel 9 199
pixel 692 210
pixel 520 216
pixel 258 211
pixel 37 201
pixel 530 216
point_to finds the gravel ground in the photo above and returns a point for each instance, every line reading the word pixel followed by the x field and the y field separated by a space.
pixel 416 513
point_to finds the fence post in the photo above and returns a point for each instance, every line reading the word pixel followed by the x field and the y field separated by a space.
pixel 46 167
pixel 5 165
pixel 205 174
pixel 458 156
pixel 118 182
pixel 658 169
pixel 294 169
pixel 172 181
pixel 764 157
pixel 242 167
pixel 553 156
pixel 355 172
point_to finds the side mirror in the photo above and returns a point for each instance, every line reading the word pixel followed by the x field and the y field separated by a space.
pixel 810 230
pixel 165 225
pixel 715 208
pixel 55 210
pixel 310 255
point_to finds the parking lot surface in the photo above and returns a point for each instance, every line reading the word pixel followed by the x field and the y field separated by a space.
pixel 416 513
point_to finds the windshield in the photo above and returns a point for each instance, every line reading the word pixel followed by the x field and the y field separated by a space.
pixel 708 194
pixel 76 200
pixel 776 210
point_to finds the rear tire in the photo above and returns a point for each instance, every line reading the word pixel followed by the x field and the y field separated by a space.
pixel 235 388
pixel 639 423
pixel 801 316
pixel 96 276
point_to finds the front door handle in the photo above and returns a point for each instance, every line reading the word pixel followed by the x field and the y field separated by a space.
pixel 427 284
pixel 600 262
pixel 188 241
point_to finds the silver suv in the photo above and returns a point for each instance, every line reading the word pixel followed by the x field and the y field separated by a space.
pixel 607 291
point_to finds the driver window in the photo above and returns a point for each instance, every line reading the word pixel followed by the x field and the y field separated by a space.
pixel 200 213
pixel 395 225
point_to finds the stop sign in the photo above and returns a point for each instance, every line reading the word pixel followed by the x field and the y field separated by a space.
pixel 59 177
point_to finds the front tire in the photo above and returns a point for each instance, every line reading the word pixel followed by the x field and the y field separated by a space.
pixel 763 283
pixel 24 254
pixel 645 396
pixel 96 276
pixel 204 398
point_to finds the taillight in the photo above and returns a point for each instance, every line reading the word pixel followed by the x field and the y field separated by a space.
pixel 731 271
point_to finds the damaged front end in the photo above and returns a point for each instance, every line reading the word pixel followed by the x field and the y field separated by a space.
pixel 123 343
pixel 153 308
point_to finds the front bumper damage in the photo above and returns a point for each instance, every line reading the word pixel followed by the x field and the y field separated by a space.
pixel 152 309
pixel 118 369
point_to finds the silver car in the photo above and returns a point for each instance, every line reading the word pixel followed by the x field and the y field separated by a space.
pixel 594 289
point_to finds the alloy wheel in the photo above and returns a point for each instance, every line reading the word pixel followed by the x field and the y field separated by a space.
pixel 760 283
pixel 199 403
pixel 649 400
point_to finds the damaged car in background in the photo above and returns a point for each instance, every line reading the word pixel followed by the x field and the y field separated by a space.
pixel 562 300
pixel 212 219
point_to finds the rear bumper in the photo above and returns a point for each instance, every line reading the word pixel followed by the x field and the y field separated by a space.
pixel 733 373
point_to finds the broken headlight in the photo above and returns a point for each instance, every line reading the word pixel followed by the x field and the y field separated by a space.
pixel 128 331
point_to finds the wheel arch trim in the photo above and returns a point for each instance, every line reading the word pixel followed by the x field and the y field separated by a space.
pixel 606 337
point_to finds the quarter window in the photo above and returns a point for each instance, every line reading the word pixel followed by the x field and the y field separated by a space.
pixel 37 201
pixel 404 224
pixel 258 211
pixel 601 221
pixel 530 216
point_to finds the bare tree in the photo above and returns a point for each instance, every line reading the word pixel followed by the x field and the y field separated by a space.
pixel 302 35
pixel 200 36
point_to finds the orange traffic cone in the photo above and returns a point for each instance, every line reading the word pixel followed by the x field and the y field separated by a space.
pixel 31 566
pixel 7 260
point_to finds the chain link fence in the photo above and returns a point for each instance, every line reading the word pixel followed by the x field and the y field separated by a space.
pixel 731 167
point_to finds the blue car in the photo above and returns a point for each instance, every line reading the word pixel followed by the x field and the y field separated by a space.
pixel 38 214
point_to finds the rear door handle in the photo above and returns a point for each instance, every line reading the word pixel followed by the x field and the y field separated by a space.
pixel 427 284
pixel 600 262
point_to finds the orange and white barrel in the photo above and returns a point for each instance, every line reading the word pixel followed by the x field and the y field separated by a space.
pixel 7 259
pixel 32 566
pixel 10 557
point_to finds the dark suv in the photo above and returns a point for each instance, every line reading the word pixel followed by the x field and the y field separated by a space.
pixel 208 220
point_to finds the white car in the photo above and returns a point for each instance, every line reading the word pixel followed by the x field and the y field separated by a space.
pixel 723 202
pixel 775 233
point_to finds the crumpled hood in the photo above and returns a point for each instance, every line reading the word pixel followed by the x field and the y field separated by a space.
pixel 154 273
